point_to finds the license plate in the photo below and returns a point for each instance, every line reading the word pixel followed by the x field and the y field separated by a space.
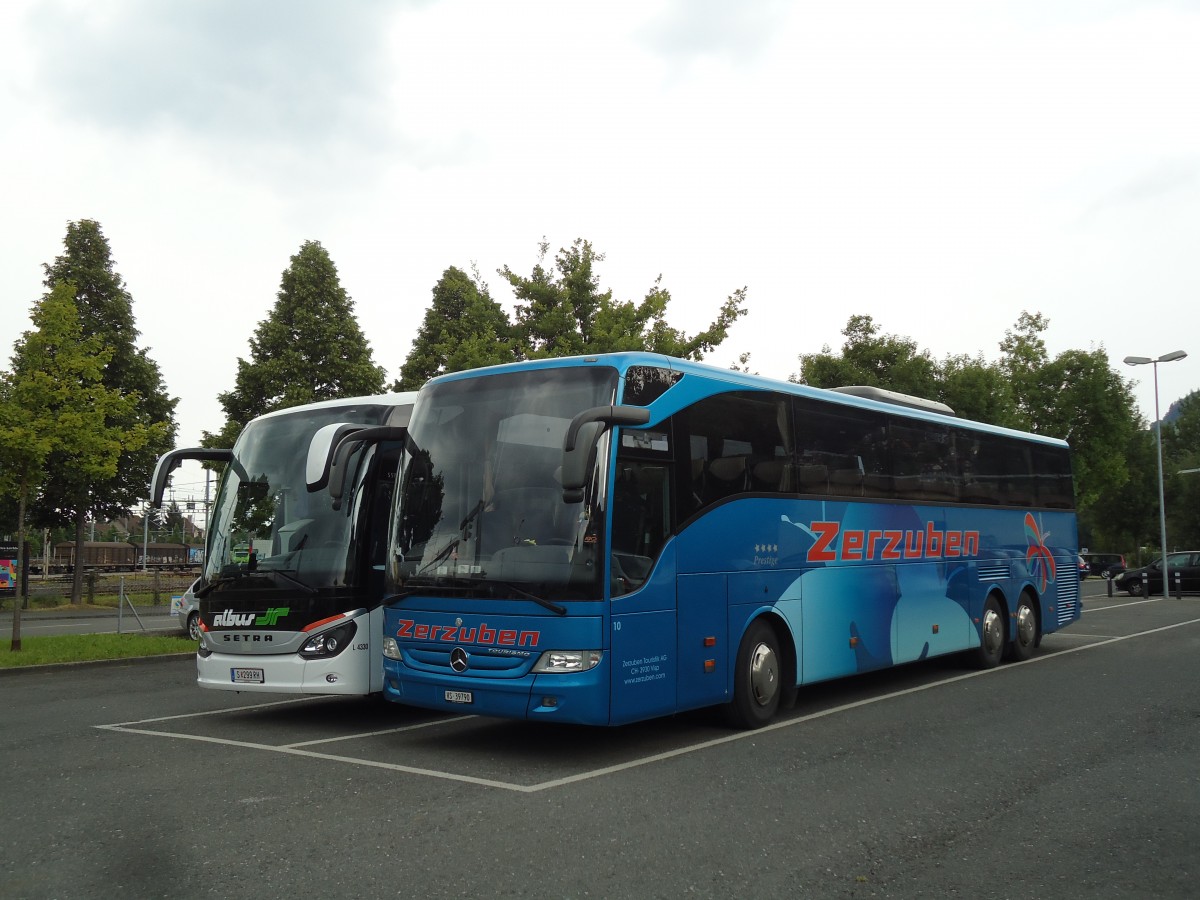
pixel 246 676
pixel 459 697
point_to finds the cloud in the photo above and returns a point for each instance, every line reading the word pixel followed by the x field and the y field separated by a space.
pixel 262 77
pixel 691 29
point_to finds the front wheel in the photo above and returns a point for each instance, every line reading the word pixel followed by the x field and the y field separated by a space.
pixel 1135 587
pixel 992 637
pixel 193 626
pixel 757 684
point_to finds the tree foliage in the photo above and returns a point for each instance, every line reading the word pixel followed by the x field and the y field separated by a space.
pixel 463 328
pixel 561 311
pixel 1181 472
pixel 105 310
pixel 56 410
pixel 309 348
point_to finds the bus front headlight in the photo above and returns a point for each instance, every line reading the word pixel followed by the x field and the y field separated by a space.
pixel 329 643
pixel 391 649
pixel 568 660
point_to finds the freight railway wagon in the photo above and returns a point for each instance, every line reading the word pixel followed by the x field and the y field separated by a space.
pixel 120 556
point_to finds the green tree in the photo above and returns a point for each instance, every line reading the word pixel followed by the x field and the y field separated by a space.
pixel 464 328
pixel 870 358
pixel 309 348
pixel 561 311
pixel 1023 360
pixel 105 310
pixel 1077 396
pixel 56 410
pixel 976 389
pixel 1181 472
pixel 1125 518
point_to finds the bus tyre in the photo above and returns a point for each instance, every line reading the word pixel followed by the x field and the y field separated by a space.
pixel 1028 634
pixel 756 678
pixel 992 635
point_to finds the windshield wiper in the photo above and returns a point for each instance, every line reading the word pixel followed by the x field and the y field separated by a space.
pixel 241 576
pixel 540 601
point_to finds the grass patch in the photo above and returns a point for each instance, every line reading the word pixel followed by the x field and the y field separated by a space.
pixel 63 648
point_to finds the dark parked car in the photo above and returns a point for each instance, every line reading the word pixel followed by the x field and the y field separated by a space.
pixel 1184 565
pixel 1106 565
pixel 1084 568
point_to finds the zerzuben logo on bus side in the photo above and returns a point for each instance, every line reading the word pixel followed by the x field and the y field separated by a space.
pixel 460 634
pixel 888 544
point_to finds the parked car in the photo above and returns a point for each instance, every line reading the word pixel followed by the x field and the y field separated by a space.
pixel 1084 568
pixel 1184 565
pixel 189 612
pixel 1106 565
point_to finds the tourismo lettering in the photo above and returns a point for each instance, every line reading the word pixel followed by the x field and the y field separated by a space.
pixel 477 634
pixel 887 545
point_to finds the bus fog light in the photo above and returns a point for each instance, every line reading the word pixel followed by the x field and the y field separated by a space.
pixel 328 643
pixel 568 660
pixel 391 649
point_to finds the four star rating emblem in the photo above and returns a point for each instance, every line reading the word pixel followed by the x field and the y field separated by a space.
pixel 766 548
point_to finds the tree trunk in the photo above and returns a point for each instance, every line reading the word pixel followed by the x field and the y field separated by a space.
pixel 16 622
pixel 77 569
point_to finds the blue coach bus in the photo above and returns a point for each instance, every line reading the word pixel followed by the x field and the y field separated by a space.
pixel 611 538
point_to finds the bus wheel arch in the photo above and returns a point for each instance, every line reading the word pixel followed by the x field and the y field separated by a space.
pixel 993 632
pixel 759 676
pixel 1027 622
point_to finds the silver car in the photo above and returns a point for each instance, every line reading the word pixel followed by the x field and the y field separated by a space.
pixel 189 612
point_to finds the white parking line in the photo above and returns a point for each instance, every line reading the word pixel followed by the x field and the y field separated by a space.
pixel 296 749
pixel 1125 605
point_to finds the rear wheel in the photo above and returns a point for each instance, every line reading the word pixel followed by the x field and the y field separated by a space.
pixel 992 635
pixel 757 684
pixel 193 626
pixel 1028 634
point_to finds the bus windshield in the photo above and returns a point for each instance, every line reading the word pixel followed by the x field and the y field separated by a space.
pixel 268 531
pixel 480 506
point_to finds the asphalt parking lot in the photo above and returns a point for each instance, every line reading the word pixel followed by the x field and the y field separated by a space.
pixel 1070 775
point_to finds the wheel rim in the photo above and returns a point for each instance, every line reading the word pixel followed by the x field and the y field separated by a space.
pixel 764 675
pixel 1026 626
pixel 194 628
pixel 993 631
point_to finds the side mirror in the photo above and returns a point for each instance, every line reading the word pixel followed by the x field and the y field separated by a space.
pixel 579 443
pixel 169 462
pixel 320 453
pixel 340 450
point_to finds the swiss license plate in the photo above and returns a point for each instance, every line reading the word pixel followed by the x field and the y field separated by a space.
pixel 246 676
pixel 459 697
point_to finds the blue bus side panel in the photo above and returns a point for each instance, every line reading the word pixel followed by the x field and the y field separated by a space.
pixel 643 665
pixel 703 637
pixel 870 600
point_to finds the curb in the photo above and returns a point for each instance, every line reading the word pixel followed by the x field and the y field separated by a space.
pixel 125 660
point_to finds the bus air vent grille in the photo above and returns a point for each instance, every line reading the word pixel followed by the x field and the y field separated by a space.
pixel 993 571
pixel 1068 598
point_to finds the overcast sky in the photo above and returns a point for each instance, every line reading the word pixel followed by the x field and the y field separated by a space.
pixel 939 166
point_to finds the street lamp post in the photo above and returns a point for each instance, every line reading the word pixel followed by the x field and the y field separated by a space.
pixel 1162 509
